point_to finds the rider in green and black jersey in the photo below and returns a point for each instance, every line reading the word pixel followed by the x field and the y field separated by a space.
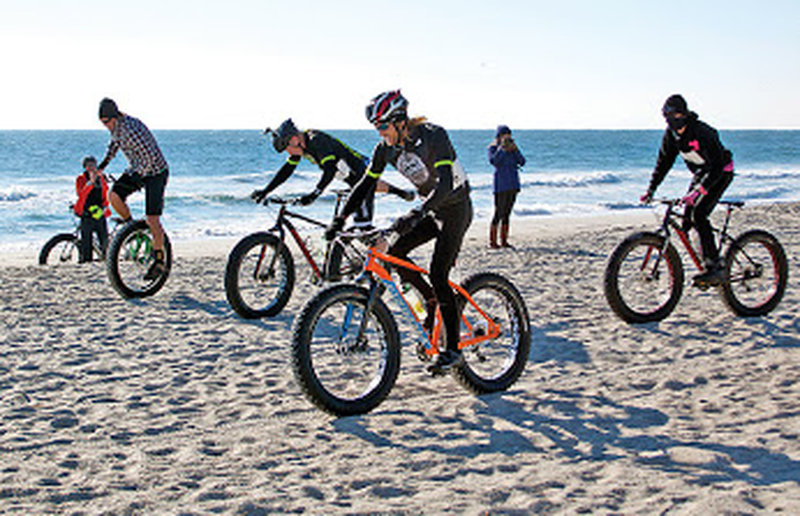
pixel 336 160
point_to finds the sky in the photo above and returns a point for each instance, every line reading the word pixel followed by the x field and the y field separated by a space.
pixel 241 64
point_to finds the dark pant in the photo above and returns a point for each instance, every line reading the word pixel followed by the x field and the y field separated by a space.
pixel 701 211
pixel 448 228
pixel 91 225
pixel 154 186
pixel 503 203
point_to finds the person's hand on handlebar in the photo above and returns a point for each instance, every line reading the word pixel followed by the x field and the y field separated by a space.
pixel 259 195
pixel 407 222
pixel 690 199
pixel 308 198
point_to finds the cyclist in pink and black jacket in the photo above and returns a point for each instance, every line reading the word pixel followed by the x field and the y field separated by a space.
pixel 711 165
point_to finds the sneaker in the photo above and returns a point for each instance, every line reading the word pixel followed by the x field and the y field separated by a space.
pixel 157 268
pixel 712 276
pixel 445 361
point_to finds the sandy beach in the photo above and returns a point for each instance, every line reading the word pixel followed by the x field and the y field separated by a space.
pixel 175 405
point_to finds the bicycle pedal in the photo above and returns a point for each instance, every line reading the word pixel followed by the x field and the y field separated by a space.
pixel 421 354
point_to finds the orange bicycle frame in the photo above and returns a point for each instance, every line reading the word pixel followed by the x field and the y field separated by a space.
pixel 373 265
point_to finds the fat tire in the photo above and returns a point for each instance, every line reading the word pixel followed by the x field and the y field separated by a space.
pixel 47 248
pixel 112 262
pixel 232 288
pixel 301 351
pixel 333 266
pixel 779 264
pixel 469 377
pixel 611 280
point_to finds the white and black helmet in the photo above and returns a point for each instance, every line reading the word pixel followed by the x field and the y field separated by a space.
pixel 389 106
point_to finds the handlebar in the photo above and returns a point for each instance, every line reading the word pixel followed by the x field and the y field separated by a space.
pixel 670 201
pixel 285 201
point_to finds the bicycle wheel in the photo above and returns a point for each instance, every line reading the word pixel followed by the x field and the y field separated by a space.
pixel 259 276
pixel 62 248
pixel 129 256
pixel 756 273
pixel 343 263
pixel 493 365
pixel 337 373
pixel 641 284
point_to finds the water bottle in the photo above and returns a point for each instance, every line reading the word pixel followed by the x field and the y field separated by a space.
pixel 414 301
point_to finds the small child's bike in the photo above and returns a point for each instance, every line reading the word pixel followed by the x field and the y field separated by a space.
pixel 346 344
pixel 644 276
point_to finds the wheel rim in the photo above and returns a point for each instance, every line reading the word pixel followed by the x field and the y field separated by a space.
pixel 346 369
pixel 754 273
pixel 492 358
pixel 645 279
pixel 260 287
pixel 134 259
pixel 65 252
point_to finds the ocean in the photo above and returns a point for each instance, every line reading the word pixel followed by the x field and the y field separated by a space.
pixel 212 173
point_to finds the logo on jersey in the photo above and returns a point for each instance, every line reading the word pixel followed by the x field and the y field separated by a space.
pixel 412 167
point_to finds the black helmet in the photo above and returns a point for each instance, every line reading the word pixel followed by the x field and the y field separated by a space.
pixel 675 104
pixel 282 135
pixel 87 160
pixel 389 106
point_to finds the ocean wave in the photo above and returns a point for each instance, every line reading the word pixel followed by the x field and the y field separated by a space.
pixel 15 194
pixel 555 180
pixel 531 212
pixel 769 194
pixel 617 206
pixel 768 175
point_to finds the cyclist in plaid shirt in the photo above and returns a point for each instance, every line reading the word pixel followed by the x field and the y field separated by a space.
pixel 148 169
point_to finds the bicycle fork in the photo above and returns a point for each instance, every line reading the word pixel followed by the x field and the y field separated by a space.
pixel 376 289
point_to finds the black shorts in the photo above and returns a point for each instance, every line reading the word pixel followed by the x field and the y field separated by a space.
pixel 153 185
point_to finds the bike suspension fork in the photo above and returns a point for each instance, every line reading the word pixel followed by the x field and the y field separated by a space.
pixel 376 289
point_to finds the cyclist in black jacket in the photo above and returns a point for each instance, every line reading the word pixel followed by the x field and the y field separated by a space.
pixel 712 166
pixel 334 158
pixel 422 152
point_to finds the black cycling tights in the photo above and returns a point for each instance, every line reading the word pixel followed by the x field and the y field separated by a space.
pixel 454 222
pixel 700 212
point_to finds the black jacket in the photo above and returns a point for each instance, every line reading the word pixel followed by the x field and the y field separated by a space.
pixel 701 150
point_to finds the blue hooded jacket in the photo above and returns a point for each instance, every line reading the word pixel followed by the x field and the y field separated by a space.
pixel 506 166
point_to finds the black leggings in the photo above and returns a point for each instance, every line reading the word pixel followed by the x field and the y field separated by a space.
pixel 448 228
pixel 503 202
pixel 91 225
pixel 699 213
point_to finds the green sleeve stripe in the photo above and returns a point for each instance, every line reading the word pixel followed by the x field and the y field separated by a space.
pixel 443 162
pixel 293 161
pixel 326 159
pixel 372 174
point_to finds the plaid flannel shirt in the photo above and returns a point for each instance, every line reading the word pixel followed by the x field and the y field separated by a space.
pixel 138 145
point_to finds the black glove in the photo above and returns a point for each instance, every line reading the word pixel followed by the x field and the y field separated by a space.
pixel 407 222
pixel 259 195
pixel 335 226
pixel 308 198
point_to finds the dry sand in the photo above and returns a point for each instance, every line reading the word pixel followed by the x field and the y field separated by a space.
pixel 175 405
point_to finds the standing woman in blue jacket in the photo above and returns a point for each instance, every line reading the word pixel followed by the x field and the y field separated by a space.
pixel 507 159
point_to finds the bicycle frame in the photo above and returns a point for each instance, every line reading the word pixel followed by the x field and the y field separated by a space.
pixel 670 223
pixel 374 269
pixel 283 219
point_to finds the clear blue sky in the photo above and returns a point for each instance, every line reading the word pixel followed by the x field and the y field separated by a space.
pixel 465 64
